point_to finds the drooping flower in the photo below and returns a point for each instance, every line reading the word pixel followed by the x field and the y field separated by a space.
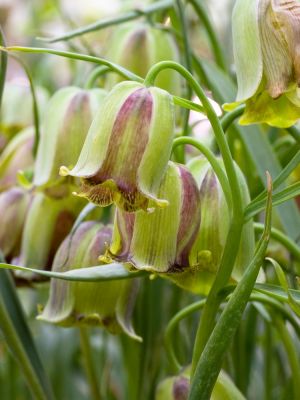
pixel 47 223
pixel 160 242
pixel 65 126
pixel 267 50
pixel 106 304
pixel 14 205
pixel 215 221
pixel 16 156
pixel 136 41
pixel 127 148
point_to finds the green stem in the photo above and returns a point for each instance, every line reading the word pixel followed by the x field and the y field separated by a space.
pixel 234 235
pixel 185 312
pixel 214 162
pixel 292 353
pixel 129 16
pixel 89 364
pixel 293 131
pixel 35 109
pixel 75 56
pixel 231 116
pixel 95 74
pixel 187 60
pixel 3 66
pixel 217 49
pixel 210 363
pixel 285 240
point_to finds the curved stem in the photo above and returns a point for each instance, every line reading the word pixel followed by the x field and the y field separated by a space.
pixel 291 351
pixel 3 65
pixel 293 131
pixel 35 109
pixel 281 238
pixel 89 365
pixel 234 235
pixel 75 56
pixel 104 23
pixel 231 116
pixel 185 312
pixel 210 363
pixel 217 49
pixel 214 162
pixel 95 74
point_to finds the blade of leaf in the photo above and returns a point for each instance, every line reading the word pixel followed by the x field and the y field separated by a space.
pixel 19 339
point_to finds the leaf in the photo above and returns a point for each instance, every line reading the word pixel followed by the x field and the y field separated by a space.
pixel 100 273
pixel 19 339
pixel 277 292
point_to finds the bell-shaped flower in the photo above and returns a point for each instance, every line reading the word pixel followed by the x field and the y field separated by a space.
pixel 127 148
pixel 47 223
pixel 160 242
pixel 16 156
pixel 215 221
pixel 267 56
pixel 106 304
pixel 64 128
pixel 16 109
pixel 14 205
pixel 136 41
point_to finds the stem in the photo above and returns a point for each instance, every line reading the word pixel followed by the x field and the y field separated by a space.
pixel 185 312
pixel 75 56
pixel 234 235
pixel 210 363
pixel 187 59
pixel 35 109
pixel 95 74
pixel 214 162
pixel 231 116
pixel 89 365
pixel 292 353
pixel 104 23
pixel 3 66
pixel 217 49
pixel 293 131
pixel 281 238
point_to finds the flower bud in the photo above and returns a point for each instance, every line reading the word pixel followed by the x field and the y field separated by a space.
pixel 215 220
pixel 119 161
pixel 267 55
pixel 108 304
pixel 16 109
pixel 48 222
pixel 16 156
pixel 64 129
pixel 137 47
pixel 177 388
pixel 14 204
pixel 160 242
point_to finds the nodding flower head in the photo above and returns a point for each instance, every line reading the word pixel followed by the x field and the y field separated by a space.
pixel 127 148
pixel 266 38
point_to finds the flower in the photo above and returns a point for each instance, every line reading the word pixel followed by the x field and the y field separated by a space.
pixel 136 41
pixel 47 223
pixel 267 50
pixel 208 247
pixel 14 204
pixel 160 242
pixel 119 161
pixel 16 156
pixel 106 304
pixel 65 126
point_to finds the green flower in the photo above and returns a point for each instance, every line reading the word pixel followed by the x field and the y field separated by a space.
pixel 65 126
pixel 267 57
pixel 106 304
pixel 127 148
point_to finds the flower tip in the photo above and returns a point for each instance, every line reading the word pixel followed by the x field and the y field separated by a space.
pixel 64 171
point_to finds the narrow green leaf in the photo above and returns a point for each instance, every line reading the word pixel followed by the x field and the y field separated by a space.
pixel 277 292
pixel 109 272
pixel 18 337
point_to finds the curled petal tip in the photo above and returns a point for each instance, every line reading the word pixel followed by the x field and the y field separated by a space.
pixel 64 171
